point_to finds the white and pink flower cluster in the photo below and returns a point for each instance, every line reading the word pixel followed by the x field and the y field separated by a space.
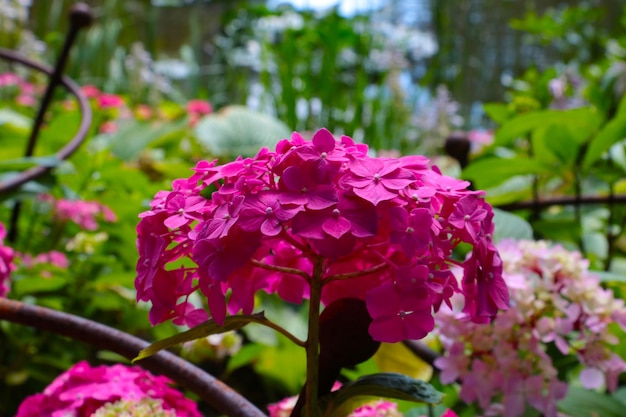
pixel 557 305
pixel 378 229
pixel 84 391
pixel 7 256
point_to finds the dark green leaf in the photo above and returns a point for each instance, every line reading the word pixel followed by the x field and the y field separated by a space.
pixel 490 172
pixel 200 331
pixel 498 112
pixel 386 385
pixel 613 132
pixel 509 225
pixel 581 402
pixel 583 121
pixel 37 284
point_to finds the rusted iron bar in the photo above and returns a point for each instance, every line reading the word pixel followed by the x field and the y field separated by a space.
pixel 213 391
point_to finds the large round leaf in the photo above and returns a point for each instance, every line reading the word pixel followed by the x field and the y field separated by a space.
pixel 237 130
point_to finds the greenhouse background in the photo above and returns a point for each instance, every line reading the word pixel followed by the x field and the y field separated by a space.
pixel 341 208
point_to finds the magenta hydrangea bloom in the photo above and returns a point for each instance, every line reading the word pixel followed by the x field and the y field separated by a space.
pixel 82 390
pixel 84 213
pixel 7 255
pixel 383 230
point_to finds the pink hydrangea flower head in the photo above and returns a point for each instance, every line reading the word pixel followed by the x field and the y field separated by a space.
pixel 7 255
pixel 199 107
pixel 378 408
pixel 110 101
pixel 380 229
pixel 83 213
pixel 83 390
pixel 555 300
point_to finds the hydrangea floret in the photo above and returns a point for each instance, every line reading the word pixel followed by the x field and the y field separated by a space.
pixel 83 391
pixel 7 255
pixel 557 305
pixel 322 220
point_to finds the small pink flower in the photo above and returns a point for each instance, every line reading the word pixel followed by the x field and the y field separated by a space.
pixel 108 101
pixel 199 107
pixel 90 91
pixel 108 127
pixel 7 256
pixel 82 390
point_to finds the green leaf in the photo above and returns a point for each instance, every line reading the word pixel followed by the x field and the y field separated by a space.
pixel 581 402
pixel 492 171
pixel 37 284
pixel 583 121
pixel 498 112
pixel 608 276
pixel 613 132
pixel 555 144
pixel 508 225
pixel 16 121
pixel 386 385
pixel 200 331
pixel 237 130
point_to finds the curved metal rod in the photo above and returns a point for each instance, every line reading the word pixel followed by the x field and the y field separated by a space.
pixel 12 183
pixel 213 391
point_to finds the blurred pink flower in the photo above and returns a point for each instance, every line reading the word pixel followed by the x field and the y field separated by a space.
pixel 91 91
pixel 83 213
pixel 7 256
pixel 82 390
pixel 199 107
pixel 107 101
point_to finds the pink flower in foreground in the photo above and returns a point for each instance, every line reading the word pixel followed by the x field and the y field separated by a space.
pixel 83 390
pixel 379 229
pixel 6 263
pixel 555 301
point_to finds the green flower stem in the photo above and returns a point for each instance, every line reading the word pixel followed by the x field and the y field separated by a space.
pixel 311 407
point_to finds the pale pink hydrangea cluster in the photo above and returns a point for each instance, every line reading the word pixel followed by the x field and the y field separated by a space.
pixel 83 390
pixel 379 229
pixel 555 301
pixel 7 256
pixel 84 213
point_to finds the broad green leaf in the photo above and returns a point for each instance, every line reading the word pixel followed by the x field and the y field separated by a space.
pixel 498 112
pixel 386 385
pixel 608 276
pixel 611 133
pixel 237 130
pixel 200 331
pixel 37 284
pixel 581 402
pixel 508 225
pixel 492 171
pixel 556 143
pixel 15 120
pixel 29 162
pixel 583 121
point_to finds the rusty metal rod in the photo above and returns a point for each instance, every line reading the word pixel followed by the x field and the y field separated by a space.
pixel 213 391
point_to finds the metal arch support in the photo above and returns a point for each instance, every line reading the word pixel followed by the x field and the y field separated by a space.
pixel 13 183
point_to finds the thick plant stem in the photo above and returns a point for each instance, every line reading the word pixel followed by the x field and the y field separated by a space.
pixel 311 407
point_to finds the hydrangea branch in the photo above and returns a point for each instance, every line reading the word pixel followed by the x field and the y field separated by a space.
pixel 355 274
pixel 311 408
pixel 278 268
